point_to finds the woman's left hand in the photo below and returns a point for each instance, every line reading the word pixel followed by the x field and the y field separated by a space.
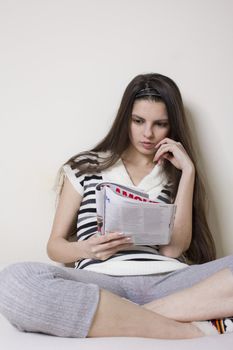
pixel 174 152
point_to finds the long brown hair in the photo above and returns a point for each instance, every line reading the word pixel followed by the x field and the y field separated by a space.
pixel 202 247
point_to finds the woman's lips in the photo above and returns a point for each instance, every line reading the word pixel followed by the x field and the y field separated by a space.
pixel 148 145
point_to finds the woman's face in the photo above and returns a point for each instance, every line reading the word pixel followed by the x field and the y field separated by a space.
pixel 148 125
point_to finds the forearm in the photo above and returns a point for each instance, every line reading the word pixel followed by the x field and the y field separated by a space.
pixel 60 250
pixel 182 230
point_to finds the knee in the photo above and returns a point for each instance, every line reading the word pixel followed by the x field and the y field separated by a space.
pixel 15 281
pixel 18 273
pixel 10 274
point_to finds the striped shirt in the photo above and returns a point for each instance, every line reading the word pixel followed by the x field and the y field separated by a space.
pixel 138 259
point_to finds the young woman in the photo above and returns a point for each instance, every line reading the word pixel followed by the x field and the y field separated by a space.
pixel 118 288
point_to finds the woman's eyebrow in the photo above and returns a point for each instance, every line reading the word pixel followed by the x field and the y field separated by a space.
pixel 157 120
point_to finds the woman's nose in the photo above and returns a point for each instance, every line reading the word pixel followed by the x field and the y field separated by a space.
pixel 148 131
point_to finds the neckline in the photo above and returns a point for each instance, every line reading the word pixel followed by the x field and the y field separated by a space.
pixel 152 182
pixel 129 177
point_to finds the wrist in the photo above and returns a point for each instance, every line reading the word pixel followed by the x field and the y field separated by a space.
pixel 189 171
pixel 80 250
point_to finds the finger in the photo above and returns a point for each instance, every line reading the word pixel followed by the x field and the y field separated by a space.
pixel 167 156
pixel 112 244
pixel 120 247
pixel 163 149
pixel 169 147
pixel 109 236
pixel 103 255
pixel 125 246
pixel 167 141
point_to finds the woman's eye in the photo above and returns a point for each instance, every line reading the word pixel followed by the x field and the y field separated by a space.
pixel 138 121
pixel 162 125
pixel 158 124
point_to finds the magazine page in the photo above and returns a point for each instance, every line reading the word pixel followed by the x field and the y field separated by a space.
pixel 147 223
pixel 124 209
pixel 121 190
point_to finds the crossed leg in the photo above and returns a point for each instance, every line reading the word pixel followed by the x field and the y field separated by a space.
pixel 208 299
pixel 83 311
pixel 37 297
pixel 116 316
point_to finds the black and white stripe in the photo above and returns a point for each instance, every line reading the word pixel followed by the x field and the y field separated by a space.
pixel 87 223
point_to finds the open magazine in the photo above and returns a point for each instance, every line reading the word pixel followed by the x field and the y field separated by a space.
pixel 129 210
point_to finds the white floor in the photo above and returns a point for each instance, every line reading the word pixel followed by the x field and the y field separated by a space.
pixel 12 339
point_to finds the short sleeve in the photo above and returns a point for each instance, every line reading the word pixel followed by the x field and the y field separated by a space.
pixel 76 180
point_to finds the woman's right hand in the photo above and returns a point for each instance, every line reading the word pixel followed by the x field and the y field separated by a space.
pixel 101 247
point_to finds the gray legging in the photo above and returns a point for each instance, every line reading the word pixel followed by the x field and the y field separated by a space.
pixel 39 297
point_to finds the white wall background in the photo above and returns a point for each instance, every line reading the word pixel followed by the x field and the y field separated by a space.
pixel 64 65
